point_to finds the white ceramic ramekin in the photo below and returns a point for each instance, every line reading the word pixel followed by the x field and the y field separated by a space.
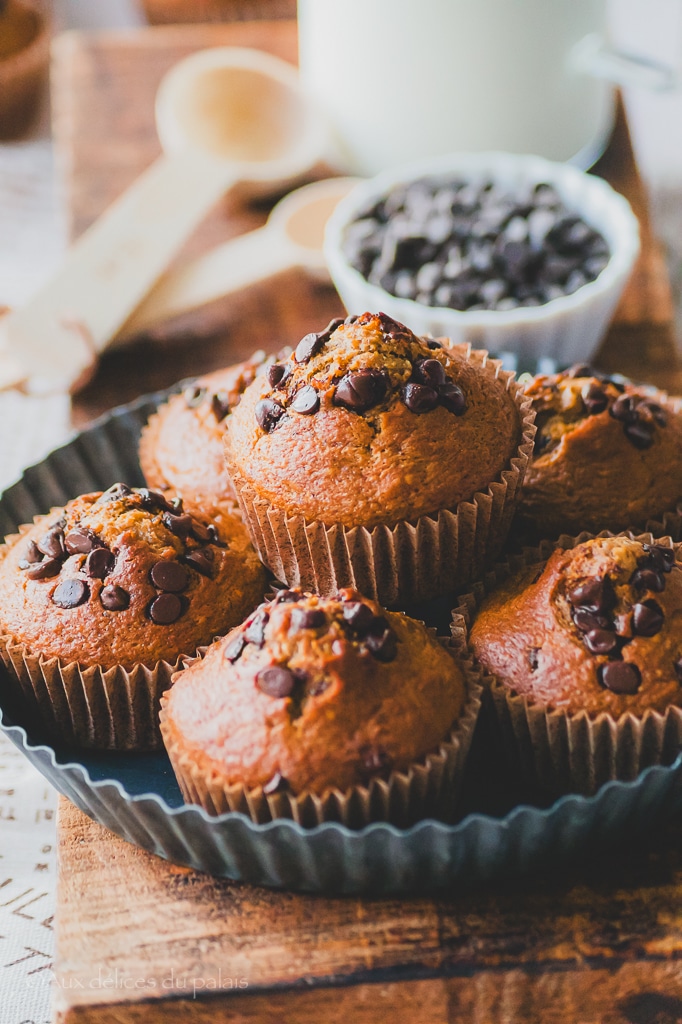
pixel 567 329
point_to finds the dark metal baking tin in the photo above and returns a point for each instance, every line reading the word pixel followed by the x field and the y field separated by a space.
pixel 137 797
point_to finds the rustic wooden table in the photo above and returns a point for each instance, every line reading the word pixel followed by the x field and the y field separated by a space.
pixel 602 946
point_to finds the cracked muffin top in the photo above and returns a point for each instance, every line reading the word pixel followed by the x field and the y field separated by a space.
pixel 596 628
pixel 181 447
pixel 313 693
pixel 367 423
pixel 126 577
pixel 608 455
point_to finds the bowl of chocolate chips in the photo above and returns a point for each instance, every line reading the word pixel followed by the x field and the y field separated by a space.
pixel 509 252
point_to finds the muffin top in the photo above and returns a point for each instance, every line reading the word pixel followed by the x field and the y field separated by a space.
pixel 608 455
pixel 125 577
pixel 366 423
pixel 181 448
pixel 596 628
pixel 312 694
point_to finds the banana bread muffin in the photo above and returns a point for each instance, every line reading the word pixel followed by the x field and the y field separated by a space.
pixel 587 653
pixel 312 695
pixel 181 448
pixel 115 581
pixel 366 425
pixel 608 455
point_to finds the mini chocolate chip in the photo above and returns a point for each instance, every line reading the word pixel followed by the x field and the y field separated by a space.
pixel 99 563
pixel 585 621
pixel 647 618
pixel 452 398
pixel 384 647
pixel 44 570
pixel 70 593
pixel 268 414
pixel 220 405
pixel 275 681
pixel 375 761
pixel 620 676
pixel 639 434
pixel 308 618
pixel 358 616
pixel 307 401
pixel 429 371
pixel 595 399
pixel 165 609
pixel 201 560
pixel 361 389
pixel 169 576
pixel 52 544
pixel 595 595
pixel 275 374
pixel 31 553
pixel 235 647
pixel 678 669
pixel 193 395
pixel 419 398
pixel 600 641
pixel 80 541
pixel 179 526
pixel 277 784
pixel 255 631
pixel 114 598
pixel 648 579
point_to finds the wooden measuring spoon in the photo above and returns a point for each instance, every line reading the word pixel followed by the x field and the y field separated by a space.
pixel 292 237
pixel 224 116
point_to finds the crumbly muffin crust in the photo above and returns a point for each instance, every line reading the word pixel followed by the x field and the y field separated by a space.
pixel 366 423
pixel 608 455
pixel 181 447
pixel 597 628
pixel 126 577
pixel 310 694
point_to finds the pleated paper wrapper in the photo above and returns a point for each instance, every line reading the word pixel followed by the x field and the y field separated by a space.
pixel 408 561
pixel 556 751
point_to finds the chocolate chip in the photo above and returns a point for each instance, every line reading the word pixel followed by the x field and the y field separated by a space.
pixel 375 761
pixel 433 344
pixel 648 579
pixel 114 598
pixel 277 784
pixel 169 576
pixel 429 371
pixel 361 389
pixel 235 647
pixel 358 616
pixel 255 631
pixel 658 557
pixel 179 526
pixel 620 677
pixel 285 595
pixel 653 411
pixel 419 398
pixel 309 346
pixel 307 618
pixel 639 434
pixel 202 560
pixel 31 553
pixel 384 647
pixel 275 681
pixel 70 593
pixel 307 401
pixel 586 621
pixel 115 493
pixel 200 532
pixel 600 641
pixel 533 658
pixel 596 595
pixel 165 609
pixel 52 544
pixel 275 374
pixel 220 405
pixel 214 536
pixel 647 618
pixel 193 395
pixel 452 398
pixel 595 399
pixel 154 501
pixel 99 563
pixel 80 541
pixel 624 409
pixel 44 570
pixel 268 414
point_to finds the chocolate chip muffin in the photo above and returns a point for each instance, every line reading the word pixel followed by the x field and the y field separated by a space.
pixel 181 448
pixel 366 426
pixel 587 654
pixel 608 455
pixel 318 708
pixel 112 583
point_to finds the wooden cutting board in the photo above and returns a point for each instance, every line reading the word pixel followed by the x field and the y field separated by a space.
pixel 604 946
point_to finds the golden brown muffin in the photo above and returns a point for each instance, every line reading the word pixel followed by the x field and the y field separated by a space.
pixel 366 423
pixel 608 455
pixel 309 695
pixel 181 448
pixel 126 577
